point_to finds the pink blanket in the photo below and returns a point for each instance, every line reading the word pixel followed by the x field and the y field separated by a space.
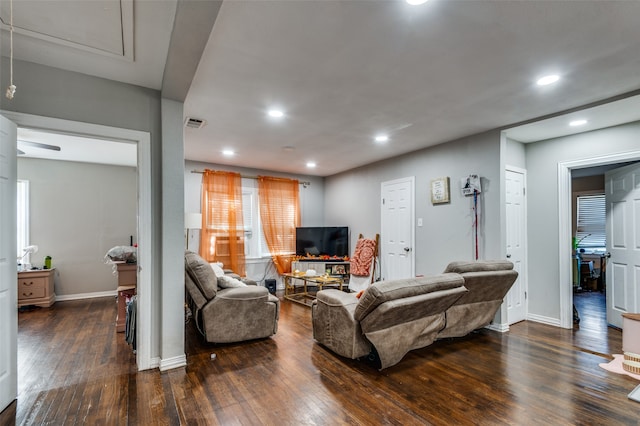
pixel 363 257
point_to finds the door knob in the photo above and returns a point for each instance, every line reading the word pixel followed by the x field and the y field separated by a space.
pixel 608 255
pixel 508 256
pixel 407 249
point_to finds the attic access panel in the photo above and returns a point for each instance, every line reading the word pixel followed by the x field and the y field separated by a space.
pixel 101 26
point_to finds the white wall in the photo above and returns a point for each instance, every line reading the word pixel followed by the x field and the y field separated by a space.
pixel 78 212
pixel 353 199
pixel 542 160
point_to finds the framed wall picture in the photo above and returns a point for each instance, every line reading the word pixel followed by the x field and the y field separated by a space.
pixel 440 190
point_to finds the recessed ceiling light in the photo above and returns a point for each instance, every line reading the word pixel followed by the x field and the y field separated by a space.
pixel 548 79
pixel 228 153
pixel 275 113
pixel 311 164
pixel 576 123
pixel 416 2
pixel 382 138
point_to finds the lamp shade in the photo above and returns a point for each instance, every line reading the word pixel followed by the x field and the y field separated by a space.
pixel 193 221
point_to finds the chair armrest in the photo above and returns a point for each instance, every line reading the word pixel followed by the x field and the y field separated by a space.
pixel 333 297
pixel 334 325
pixel 243 293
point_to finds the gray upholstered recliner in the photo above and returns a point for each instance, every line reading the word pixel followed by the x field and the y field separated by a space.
pixel 225 315
pixel 394 317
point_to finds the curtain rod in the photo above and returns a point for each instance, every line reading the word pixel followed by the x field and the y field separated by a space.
pixel 303 183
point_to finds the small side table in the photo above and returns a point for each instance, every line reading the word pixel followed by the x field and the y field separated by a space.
pixel 36 288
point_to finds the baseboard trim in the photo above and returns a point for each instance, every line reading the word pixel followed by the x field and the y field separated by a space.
pixel 80 296
pixel 174 362
pixel 500 328
pixel 544 320
pixel 153 363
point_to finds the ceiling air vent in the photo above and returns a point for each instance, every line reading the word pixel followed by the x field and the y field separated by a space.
pixel 194 123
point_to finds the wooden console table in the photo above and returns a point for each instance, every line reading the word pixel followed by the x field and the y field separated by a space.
pixel 305 297
pixel 36 288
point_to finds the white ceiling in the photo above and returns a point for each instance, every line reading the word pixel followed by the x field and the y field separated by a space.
pixel 344 71
pixel 77 148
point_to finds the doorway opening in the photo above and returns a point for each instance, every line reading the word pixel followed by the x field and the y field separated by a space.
pixel 142 140
pixel 565 170
pixel 589 246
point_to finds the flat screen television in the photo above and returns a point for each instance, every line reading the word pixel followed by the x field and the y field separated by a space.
pixel 332 241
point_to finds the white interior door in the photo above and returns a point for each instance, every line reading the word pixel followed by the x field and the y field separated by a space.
pixel 397 230
pixel 8 270
pixel 515 180
pixel 622 192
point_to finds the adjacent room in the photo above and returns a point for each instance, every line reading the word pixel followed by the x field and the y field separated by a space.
pixel 319 212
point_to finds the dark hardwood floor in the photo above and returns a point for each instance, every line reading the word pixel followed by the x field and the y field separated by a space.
pixel 74 369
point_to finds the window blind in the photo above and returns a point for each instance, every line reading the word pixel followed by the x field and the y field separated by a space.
pixel 591 221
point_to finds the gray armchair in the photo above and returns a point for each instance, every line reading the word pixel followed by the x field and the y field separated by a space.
pixel 225 315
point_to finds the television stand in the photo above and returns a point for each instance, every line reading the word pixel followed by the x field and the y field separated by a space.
pixel 336 268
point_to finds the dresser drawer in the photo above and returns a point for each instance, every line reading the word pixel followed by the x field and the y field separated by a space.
pixel 31 288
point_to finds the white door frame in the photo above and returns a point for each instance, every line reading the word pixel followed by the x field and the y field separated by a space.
pixel 524 273
pixel 145 270
pixel 8 290
pixel 564 224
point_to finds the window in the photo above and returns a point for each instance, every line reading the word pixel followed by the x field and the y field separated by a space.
pixel 591 222
pixel 255 246
pixel 23 219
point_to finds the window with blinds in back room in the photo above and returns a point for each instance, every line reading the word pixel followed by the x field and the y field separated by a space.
pixel 591 222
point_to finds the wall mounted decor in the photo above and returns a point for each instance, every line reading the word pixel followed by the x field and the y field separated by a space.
pixel 440 190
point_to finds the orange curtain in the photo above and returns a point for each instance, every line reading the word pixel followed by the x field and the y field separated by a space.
pixel 222 237
pixel 280 215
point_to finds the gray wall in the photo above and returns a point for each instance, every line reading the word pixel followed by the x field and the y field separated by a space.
pixel 78 211
pixel 353 199
pixel 542 177
pixel 51 92
pixel 515 154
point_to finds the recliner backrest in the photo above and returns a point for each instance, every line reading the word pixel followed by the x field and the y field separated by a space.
pixel 384 291
pixel 201 274
pixel 486 280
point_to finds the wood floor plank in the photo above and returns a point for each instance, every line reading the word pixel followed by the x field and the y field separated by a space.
pixel 75 369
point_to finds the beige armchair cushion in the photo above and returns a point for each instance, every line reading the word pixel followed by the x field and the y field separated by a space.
pixel 201 273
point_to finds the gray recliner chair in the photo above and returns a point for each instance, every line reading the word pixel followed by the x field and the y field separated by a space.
pixel 392 318
pixel 225 315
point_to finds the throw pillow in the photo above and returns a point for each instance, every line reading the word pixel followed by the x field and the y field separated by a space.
pixel 226 281
pixel 217 270
pixel 362 257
